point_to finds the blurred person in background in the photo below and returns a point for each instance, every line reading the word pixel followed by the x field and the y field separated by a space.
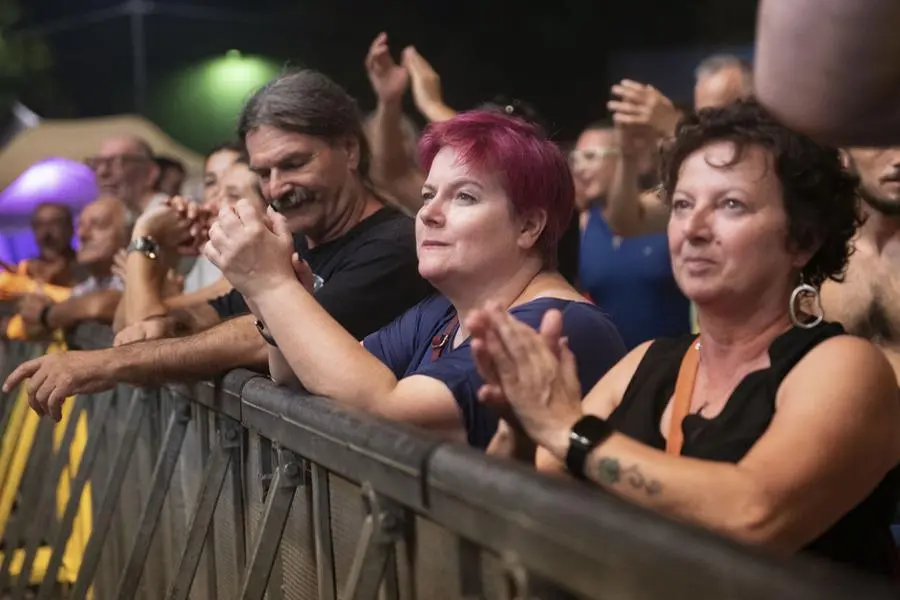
pixel 306 146
pixel 103 229
pixel 630 278
pixel 126 169
pixel 52 225
pixel 171 175
pixel 497 199
pixel 830 68
pixel 773 427
pixel 142 313
pixel 391 134
pixel 151 292
pixel 720 80
pixel 52 273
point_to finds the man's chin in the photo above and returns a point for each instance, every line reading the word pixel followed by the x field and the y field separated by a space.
pixel 889 207
pixel 298 219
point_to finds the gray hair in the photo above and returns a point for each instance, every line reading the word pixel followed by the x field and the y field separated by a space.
pixel 719 62
pixel 310 103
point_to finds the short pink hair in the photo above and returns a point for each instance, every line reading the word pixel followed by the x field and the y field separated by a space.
pixel 534 172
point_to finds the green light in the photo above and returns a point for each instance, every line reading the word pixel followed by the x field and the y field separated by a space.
pixel 202 102
pixel 234 77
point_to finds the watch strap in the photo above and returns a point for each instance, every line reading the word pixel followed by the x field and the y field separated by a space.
pixel 588 433
pixel 261 328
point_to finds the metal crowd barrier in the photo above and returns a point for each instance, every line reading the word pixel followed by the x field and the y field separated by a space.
pixel 241 489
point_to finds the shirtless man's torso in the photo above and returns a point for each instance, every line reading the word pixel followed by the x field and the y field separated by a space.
pixel 867 303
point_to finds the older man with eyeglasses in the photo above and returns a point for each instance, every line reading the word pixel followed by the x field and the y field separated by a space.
pixel 126 169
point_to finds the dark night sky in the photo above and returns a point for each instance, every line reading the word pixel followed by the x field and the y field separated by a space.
pixel 553 54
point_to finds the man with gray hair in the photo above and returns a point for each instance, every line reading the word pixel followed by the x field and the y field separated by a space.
pixel 721 79
pixel 305 141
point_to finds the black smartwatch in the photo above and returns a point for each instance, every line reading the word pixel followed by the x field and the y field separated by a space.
pixel 261 328
pixel 588 433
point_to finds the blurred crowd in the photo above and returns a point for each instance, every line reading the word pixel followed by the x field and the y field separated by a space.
pixel 692 307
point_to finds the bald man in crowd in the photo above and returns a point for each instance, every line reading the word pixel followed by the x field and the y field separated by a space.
pixel 126 169
pixel 104 228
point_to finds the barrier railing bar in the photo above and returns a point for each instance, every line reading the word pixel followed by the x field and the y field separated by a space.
pixel 97 427
pixel 30 489
pixel 374 556
pixel 391 456
pixel 268 538
pixel 597 547
pixel 45 511
pixel 567 546
pixel 223 455
pixel 91 559
pixel 159 488
pixel 321 519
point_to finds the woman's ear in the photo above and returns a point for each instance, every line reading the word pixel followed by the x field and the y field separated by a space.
pixel 532 226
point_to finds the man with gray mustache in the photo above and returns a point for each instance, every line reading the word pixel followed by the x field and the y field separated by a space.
pixel 305 142
pixel 867 302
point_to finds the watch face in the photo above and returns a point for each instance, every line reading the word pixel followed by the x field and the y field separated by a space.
pixel 145 246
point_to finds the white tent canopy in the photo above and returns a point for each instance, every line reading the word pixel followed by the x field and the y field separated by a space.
pixel 77 139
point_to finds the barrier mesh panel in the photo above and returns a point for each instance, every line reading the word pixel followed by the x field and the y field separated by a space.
pixel 347 516
pixel 224 531
pixel 298 549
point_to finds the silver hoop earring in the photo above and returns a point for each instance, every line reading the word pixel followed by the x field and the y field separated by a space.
pixel 804 289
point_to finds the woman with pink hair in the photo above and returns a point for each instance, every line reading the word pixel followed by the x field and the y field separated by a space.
pixel 497 198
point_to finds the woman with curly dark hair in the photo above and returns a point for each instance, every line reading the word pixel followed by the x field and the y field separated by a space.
pixel 772 427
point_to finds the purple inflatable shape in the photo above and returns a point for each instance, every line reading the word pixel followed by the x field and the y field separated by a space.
pixel 51 180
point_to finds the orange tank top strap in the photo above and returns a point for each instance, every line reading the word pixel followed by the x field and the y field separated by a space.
pixel 681 399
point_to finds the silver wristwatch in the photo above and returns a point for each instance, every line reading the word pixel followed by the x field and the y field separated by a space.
pixel 145 245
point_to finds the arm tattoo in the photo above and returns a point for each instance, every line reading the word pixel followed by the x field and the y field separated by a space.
pixel 610 472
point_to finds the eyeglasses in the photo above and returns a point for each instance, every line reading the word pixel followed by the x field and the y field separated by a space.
pixel 116 161
pixel 592 155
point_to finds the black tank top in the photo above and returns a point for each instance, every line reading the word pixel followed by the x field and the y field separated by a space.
pixel 861 538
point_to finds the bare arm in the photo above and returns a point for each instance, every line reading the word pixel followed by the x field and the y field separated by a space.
pixel 393 169
pixel 332 363
pixel 229 345
pixel 830 68
pixel 143 288
pixel 630 211
pixel 57 376
pixel 96 306
pixel 837 419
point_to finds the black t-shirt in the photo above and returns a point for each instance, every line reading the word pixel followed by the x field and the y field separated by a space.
pixel 371 274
